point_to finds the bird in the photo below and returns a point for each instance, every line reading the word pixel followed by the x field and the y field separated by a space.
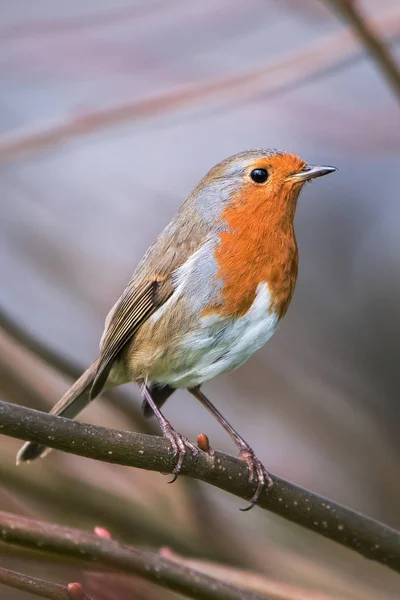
pixel 208 293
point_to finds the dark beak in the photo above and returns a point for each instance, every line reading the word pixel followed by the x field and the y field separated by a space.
pixel 308 172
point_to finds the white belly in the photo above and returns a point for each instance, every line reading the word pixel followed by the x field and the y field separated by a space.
pixel 221 345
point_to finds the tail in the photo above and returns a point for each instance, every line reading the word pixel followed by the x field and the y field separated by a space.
pixel 70 405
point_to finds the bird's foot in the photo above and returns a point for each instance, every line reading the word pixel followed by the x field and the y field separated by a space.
pixel 180 446
pixel 256 471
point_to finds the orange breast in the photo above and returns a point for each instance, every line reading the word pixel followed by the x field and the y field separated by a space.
pixel 259 246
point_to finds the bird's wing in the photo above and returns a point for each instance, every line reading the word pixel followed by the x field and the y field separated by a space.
pixel 134 307
pixel 150 286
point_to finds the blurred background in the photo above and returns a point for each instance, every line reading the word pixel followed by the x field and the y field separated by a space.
pixel 110 113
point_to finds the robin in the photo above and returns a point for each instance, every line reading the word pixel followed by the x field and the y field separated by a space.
pixel 207 294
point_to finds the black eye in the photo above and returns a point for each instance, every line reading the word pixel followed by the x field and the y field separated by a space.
pixel 259 175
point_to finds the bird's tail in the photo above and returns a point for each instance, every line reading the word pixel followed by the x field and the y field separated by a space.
pixel 70 405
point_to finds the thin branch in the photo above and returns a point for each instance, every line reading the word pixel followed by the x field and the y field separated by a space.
pixel 30 342
pixel 279 76
pixel 370 538
pixel 367 32
pixel 48 27
pixel 39 587
pixel 126 517
pixel 106 552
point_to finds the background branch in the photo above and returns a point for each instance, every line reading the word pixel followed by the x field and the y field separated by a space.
pixel 349 528
pixel 106 552
pixel 315 59
pixel 38 587
pixel 30 342
pixel 369 36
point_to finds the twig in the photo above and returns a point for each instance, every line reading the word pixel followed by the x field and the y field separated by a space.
pixel 38 587
pixel 88 547
pixel 50 27
pixel 369 36
pixel 127 518
pixel 21 335
pixel 292 70
pixel 370 538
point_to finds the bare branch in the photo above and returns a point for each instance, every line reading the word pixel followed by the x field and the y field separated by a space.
pixel 370 538
pixel 369 36
pixel 80 23
pixel 30 342
pixel 100 551
pixel 40 587
pixel 292 70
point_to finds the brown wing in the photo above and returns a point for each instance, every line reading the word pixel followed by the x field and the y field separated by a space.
pixel 135 306
pixel 150 286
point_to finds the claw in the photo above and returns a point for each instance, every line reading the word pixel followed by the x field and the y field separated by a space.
pixel 180 446
pixel 178 442
pixel 256 470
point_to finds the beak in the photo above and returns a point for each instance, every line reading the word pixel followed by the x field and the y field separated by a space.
pixel 308 172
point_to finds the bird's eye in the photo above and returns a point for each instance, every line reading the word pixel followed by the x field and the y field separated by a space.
pixel 259 175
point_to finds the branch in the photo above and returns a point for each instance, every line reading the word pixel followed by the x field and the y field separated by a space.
pixel 369 36
pixel 294 69
pixel 106 552
pixel 49 356
pixel 126 517
pixel 40 587
pixel 364 535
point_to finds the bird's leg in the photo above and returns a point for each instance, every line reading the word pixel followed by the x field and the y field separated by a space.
pixel 178 442
pixel 246 453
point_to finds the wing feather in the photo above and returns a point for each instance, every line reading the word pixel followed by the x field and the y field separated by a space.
pixel 135 307
pixel 150 286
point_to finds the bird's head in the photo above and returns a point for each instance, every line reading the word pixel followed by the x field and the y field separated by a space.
pixel 258 183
